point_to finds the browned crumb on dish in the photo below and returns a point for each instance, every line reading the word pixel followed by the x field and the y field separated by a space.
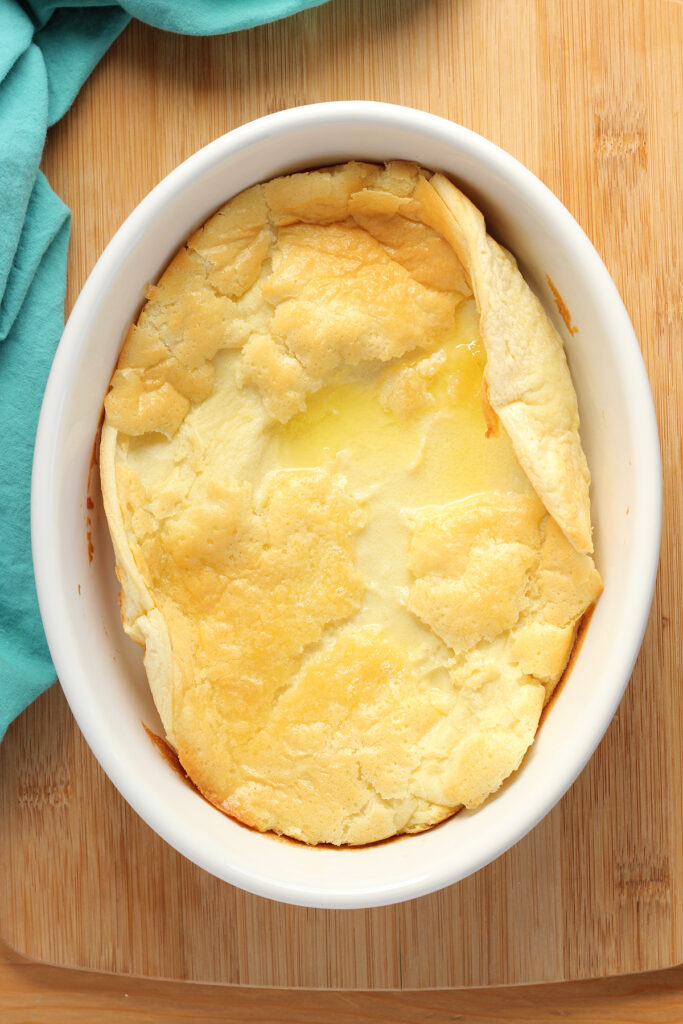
pixel 562 307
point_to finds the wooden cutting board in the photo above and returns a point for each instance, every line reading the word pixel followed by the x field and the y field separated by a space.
pixel 588 94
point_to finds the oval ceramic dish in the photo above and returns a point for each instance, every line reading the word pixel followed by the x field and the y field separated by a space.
pixel 101 670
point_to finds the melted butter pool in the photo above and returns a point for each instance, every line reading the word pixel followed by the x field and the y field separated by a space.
pixel 398 454
pixel 432 449
pixel 347 423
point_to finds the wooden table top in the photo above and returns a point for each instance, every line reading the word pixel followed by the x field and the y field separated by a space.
pixel 584 92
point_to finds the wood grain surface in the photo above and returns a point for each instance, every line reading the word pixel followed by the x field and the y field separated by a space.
pixel 587 93
pixel 39 994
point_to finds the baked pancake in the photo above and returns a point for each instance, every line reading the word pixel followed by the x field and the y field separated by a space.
pixel 349 505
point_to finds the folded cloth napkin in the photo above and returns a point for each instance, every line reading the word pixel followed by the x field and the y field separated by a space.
pixel 47 50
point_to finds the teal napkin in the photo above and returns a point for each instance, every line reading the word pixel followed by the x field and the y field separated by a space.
pixel 47 50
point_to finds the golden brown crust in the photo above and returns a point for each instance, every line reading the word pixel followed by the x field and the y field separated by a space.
pixel 352 603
